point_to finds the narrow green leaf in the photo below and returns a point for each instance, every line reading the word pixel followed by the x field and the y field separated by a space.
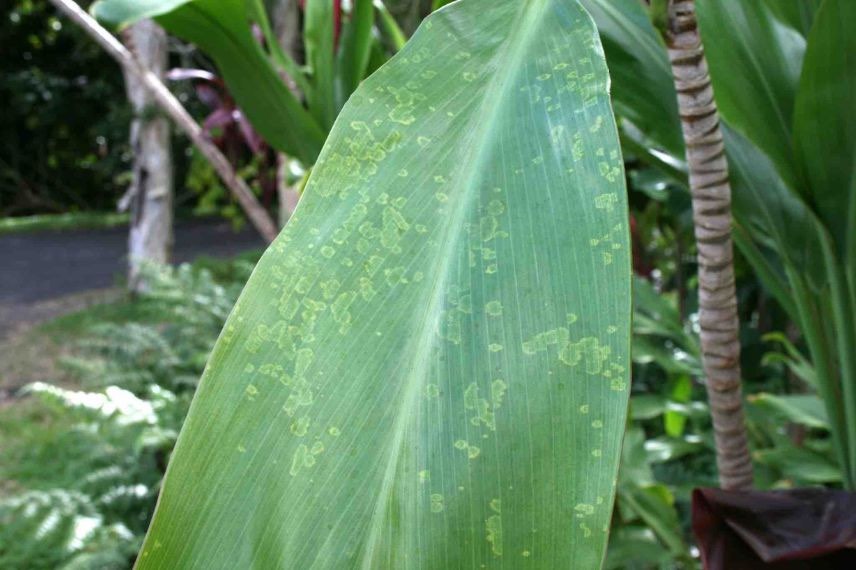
pixel 803 409
pixel 429 368
pixel 801 464
pixel 222 30
pixel 121 13
pixel 643 91
pixel 655 506
pixel 353 55
pixel 390 27
pixel 825 124
pixel 318 31
pixel 798 14
pixel 754 64
pixel 680 392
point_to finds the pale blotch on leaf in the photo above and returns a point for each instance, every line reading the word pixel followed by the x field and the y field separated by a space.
pixel 605 201
pixel 584 510
pixel 472 450
pixel 493 526
pixel 437 505
pixel 424 476
pixel 334 431
pixel 493 308
pixel 302 459
pixel 251 392
pixel 494 347
pixel 300 426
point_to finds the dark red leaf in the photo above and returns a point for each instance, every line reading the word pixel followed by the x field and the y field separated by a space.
pixel 794 529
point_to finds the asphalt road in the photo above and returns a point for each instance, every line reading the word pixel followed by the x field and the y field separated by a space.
pixel 40 266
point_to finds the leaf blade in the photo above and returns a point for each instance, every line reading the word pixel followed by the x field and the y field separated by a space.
pixel 450 369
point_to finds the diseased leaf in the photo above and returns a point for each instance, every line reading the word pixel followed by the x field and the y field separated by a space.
pixel 429 368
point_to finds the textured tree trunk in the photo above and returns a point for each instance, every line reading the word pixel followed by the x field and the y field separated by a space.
pixel 711 199
pixel 150 198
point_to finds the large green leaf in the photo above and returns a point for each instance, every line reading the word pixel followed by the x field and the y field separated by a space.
pixel 318 35
pixel 221 28
pixel 754 64
pixel 429 368
pixel 644 92
pixel 825 122
pixel 798 14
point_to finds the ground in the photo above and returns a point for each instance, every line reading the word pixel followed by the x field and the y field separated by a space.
pixel 53 273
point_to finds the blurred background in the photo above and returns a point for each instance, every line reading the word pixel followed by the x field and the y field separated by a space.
pixel 122 252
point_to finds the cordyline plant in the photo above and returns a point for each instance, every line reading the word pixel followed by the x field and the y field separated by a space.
pixel 784 80
pixel 430 366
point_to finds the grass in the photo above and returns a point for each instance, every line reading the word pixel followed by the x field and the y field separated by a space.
pixel 70 220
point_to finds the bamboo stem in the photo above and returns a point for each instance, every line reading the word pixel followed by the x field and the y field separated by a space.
pixel 258 216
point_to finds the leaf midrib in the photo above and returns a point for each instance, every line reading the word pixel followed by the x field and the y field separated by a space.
pixel 529 15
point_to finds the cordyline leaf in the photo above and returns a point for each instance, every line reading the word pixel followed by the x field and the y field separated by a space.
pixel 754 73
pixel 429 368
pixel 645 91
pixel 221 28
pixel 825 125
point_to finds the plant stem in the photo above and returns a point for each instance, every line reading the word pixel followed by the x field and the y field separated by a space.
pixel 173 108
pixel 711 199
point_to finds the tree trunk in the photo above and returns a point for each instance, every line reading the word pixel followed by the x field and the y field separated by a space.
pixel 711 199
pixel 150 197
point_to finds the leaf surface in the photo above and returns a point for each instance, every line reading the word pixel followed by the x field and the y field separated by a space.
pixel 430 367
pixel 755 64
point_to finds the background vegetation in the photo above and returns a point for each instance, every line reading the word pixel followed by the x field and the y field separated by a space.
pixel 83 455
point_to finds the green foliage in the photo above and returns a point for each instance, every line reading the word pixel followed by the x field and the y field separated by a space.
pixel 789 140
pixel 82 468
pixel 293 123
pixel 51 159
pixel 458 268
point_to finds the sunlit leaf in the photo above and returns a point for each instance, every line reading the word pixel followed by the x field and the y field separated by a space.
pixel 429 368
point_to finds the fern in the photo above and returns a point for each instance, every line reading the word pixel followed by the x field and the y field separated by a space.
pixel 92 482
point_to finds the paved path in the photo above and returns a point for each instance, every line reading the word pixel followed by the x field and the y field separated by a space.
pixel 37 268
